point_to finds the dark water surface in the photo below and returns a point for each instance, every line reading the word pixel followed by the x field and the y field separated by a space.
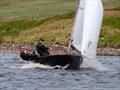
pixel 13 77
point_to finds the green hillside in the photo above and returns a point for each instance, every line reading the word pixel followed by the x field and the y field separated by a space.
pixel 25 21
pixel 12 9
pixel 34 8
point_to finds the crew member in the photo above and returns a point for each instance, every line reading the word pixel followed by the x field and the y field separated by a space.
pixel 42 49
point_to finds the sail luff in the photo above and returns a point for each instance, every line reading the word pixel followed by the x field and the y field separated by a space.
pixel 76 36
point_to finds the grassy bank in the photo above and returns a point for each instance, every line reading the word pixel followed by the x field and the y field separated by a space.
pixel 53 23
pixel 14 31
pixel 57 29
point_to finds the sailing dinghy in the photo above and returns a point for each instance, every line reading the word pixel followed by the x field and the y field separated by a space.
pixel 84 37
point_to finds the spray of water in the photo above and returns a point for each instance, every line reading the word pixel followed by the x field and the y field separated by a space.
pixel 93 63
pixel 34 65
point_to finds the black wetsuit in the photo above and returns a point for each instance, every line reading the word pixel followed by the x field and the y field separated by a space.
pixel 42 49
pixel 24 56
pixel 29 56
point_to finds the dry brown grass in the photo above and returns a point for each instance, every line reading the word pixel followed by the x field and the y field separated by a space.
pixel 109 13
pixel 52 32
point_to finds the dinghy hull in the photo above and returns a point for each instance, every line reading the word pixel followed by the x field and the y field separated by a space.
pixel 73 61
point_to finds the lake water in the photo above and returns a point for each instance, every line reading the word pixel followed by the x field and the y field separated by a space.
pixel 16 74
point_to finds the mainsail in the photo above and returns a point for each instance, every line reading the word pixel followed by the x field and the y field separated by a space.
pixel 87 26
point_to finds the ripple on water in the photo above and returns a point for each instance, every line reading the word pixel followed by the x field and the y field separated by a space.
pixel 45 78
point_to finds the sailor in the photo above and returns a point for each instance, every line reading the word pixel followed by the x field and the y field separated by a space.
pixel 24 54
pixel 42 50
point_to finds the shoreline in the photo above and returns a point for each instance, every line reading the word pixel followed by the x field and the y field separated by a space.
pixel 57 49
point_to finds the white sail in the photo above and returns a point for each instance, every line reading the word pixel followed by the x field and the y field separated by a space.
pixel 87 26
pixel 76 36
